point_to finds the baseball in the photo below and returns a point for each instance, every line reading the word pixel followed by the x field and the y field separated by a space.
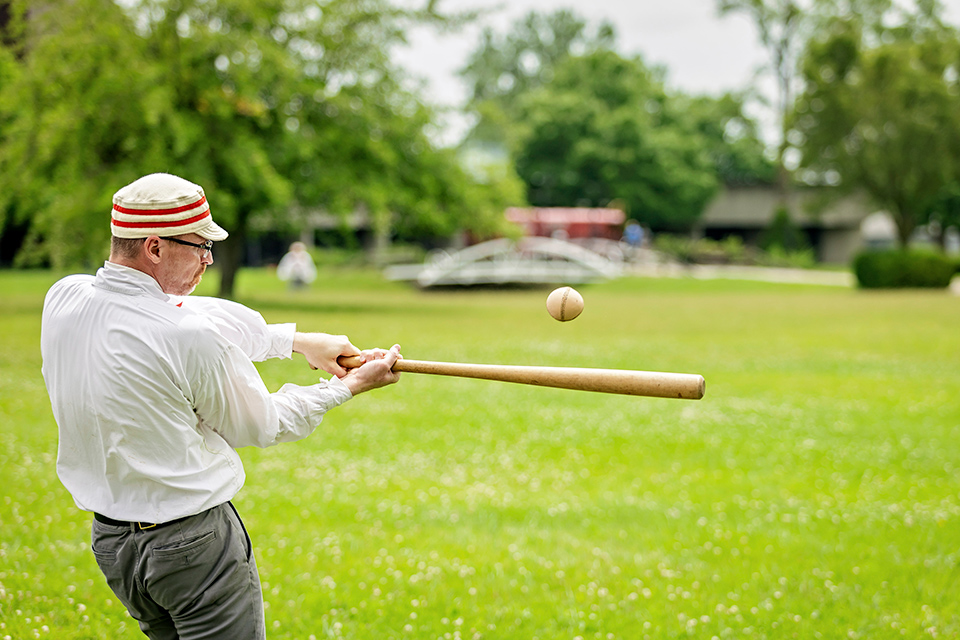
pixel 564 303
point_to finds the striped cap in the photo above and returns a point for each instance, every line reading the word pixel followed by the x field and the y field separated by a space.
pixel 162 205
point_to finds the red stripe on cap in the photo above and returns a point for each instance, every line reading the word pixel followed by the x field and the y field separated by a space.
pixel 159 224
pixel 160 212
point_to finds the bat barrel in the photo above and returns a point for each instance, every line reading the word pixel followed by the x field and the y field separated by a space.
pixel 636 383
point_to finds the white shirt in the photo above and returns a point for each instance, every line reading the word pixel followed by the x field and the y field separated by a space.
pixel 153 394
pixel 297 265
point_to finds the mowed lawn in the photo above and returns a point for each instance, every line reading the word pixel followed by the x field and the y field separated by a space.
pixel 813 493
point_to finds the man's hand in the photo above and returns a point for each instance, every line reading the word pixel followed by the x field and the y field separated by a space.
pixel 322 350
pixel 375 372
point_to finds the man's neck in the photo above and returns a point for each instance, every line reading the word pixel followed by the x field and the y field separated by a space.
pixel 132 264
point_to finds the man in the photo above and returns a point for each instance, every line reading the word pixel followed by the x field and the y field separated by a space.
pixel 297 267
pixel 153 393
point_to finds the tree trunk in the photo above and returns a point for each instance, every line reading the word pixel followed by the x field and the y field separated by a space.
pixel 783 181
pixel 380 245
pixel 905 228
pixel 939 234
pixel 784 98
pixel 228 256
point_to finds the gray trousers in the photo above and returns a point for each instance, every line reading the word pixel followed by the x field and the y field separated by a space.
pixel 193 579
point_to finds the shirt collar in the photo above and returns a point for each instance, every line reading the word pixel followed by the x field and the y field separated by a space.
pixel 129 281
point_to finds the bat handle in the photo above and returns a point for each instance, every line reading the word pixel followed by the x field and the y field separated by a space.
pixel 349 362
pixel 352 362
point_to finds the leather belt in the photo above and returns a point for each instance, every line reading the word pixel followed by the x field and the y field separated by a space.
pixel 142 526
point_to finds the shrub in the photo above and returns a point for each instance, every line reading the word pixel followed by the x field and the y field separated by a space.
pixel 783 234
pixel 902 269
pixel 677 247
pixel 776 256
pixel 731 250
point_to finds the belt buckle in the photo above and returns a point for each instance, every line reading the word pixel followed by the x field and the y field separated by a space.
pixel 141 526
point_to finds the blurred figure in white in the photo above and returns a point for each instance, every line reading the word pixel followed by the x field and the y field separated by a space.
pixel 297 267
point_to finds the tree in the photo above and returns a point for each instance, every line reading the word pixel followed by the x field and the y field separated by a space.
pixel 269 104
pixel 944 212
pixel 732 139
pixel 506 67
pixel 602 129
pixel 369 149
pixel 781 25
pixel 881 111
pixel 587 126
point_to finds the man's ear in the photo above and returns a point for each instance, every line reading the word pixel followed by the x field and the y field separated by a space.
pixel 151 249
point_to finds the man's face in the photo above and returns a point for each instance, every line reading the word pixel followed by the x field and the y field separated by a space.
pixel 182 267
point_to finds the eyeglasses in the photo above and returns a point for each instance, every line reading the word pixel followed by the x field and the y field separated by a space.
pixel 206 246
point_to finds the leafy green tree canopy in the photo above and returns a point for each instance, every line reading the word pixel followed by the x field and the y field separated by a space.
pixel 943 212
pixel 506 67
pixel 733 139
pixel 881 110
pixel 603 129
pixel 782 28
pixel 585 125
pixel 269 104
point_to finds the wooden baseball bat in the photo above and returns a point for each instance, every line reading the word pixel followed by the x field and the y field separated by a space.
pixel 688 386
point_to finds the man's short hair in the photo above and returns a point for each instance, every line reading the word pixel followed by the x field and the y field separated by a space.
pixel 126 247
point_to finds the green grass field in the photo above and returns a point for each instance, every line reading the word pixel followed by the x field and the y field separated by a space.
pixel 813 493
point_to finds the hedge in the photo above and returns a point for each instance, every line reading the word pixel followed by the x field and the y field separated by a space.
pixel 902 269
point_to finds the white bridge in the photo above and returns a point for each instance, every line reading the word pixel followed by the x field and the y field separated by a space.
pixel 530 260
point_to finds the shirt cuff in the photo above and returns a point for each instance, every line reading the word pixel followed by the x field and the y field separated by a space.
pixel 281 339
pixel 341 391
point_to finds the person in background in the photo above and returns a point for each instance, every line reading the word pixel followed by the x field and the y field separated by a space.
pixel 296 267
pixel 633 234
pixel 153 390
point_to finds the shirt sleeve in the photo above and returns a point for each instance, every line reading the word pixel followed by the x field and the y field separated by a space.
pixel 302 409
pixel 244 327
pixel 231 399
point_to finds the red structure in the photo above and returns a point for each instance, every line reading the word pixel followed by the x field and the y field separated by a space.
pixel 569 222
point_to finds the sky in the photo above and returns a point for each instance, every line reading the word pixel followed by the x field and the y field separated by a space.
pixel 703 52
